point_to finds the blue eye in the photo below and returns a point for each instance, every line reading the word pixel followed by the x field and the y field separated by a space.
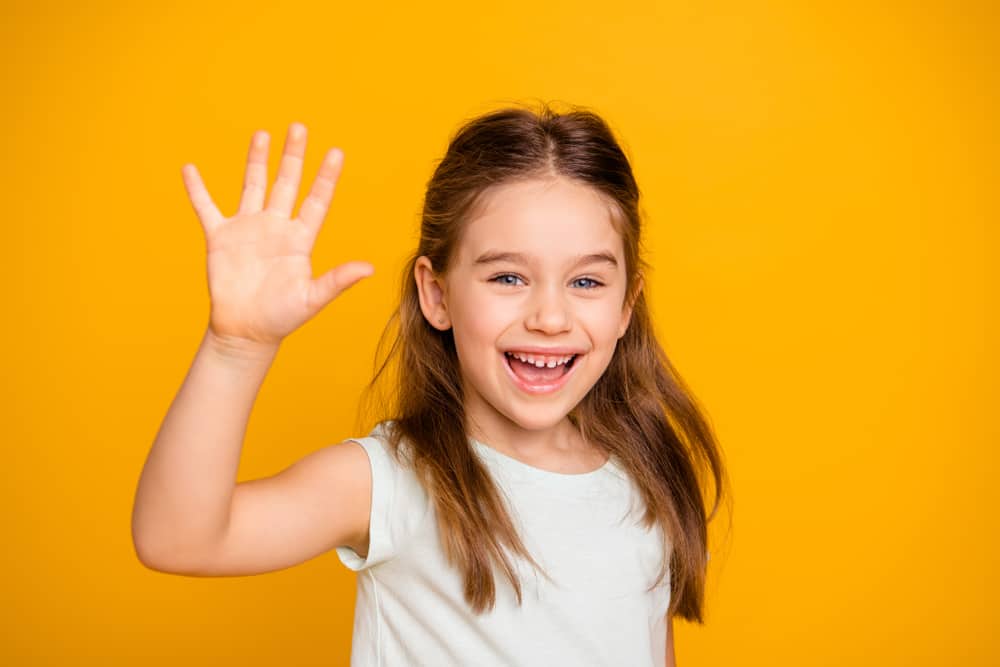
pixel 590 283
pixel 505 279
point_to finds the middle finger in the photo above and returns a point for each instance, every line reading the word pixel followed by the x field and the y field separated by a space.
pixel 286 185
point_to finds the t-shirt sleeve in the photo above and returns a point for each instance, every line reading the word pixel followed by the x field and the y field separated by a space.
pixel 397 509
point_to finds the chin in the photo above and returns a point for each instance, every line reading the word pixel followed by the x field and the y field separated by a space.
pixel 536 419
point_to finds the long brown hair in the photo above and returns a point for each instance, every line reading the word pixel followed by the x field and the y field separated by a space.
pixel 639 410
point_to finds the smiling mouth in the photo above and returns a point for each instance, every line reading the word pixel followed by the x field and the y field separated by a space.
pixel 538 374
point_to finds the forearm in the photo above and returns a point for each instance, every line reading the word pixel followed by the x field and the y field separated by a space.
pixel 185 491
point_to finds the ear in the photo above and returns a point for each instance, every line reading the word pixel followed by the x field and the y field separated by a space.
pixel 630 300
pixel 430 288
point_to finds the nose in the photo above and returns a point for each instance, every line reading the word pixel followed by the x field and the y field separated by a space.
pixel 548 311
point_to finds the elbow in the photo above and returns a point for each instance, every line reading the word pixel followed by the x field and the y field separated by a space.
pixel 148 557
pixel 167 558
pixel 146 549
pixel 161 548
pixel 152 556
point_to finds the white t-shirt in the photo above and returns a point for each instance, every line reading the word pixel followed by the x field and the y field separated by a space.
pixel 410 608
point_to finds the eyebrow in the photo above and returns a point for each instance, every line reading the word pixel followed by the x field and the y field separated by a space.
pixel 495 256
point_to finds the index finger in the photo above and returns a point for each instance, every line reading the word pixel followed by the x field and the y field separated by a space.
pixel 317 203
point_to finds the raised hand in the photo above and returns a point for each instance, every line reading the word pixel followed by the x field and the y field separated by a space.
pixel 259 268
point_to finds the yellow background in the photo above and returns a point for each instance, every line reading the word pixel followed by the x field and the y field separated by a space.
pixel 820 181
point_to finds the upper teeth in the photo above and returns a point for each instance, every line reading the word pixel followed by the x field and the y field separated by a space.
pixel 541 361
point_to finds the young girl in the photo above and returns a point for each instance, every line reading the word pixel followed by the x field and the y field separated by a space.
pixel 535 495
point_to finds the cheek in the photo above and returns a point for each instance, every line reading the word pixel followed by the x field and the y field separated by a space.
pixel 477 325
pixel 602 320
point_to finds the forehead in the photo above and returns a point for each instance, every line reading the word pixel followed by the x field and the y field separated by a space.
pixel 549 219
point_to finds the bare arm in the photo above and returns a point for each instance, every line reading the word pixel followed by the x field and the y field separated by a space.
pixel 185 491
pixel 189 518
pixel 189 514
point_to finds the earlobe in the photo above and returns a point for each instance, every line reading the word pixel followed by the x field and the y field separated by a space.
pixel 432 296
pixel 629 306
pixel 623 327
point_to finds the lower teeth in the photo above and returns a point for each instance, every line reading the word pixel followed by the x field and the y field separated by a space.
pixel 531 369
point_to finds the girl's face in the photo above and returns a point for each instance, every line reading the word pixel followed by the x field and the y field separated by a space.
pixel 535 297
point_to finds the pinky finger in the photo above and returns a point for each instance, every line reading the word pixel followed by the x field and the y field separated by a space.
pixel 202 202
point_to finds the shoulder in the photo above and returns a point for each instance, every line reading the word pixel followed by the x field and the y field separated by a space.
pixel 383 451
pixel 399 503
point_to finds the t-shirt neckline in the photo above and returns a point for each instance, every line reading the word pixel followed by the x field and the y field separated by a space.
pixel 549 476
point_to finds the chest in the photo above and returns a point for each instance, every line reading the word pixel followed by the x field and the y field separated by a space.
pixel 591 541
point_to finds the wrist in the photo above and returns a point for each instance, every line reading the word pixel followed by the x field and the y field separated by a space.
pixel 240 349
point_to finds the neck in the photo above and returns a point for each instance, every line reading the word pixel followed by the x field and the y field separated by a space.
pixel 504 434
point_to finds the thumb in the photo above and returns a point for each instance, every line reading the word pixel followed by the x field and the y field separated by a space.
pixel 328 286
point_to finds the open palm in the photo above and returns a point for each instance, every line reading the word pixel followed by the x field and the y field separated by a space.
pixel 259 266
